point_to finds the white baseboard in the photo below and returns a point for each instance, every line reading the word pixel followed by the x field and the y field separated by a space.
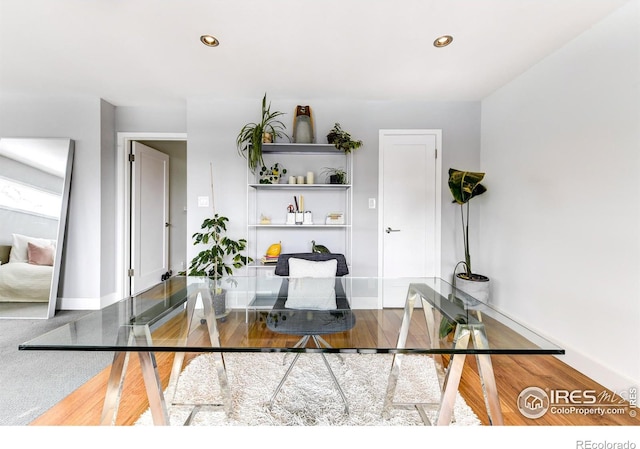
pixel 87 303
pixel 606 376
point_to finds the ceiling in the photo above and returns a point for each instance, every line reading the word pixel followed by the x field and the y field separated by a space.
pixel 148 52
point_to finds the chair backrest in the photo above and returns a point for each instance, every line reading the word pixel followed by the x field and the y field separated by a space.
pixel 282 266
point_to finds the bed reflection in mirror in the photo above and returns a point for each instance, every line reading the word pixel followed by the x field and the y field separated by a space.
pixel 35 175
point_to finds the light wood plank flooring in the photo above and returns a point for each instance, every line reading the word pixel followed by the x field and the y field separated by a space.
pixel 513 373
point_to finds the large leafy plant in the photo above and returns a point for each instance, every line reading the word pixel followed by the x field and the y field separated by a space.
pixel 342 140
pixel 251 136
pixel 464 186
pixel 222 255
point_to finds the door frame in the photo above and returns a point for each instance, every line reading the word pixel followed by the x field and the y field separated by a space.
pixel 438 198
pixel 123 203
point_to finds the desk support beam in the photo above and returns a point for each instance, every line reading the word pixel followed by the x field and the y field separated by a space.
pixel 214 338
pixel 137 336
pixel 449 378
pixel 140 336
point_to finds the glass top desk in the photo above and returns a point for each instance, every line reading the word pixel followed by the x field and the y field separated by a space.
pixel 336 315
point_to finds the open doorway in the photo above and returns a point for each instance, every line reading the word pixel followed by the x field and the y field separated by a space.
pixel 173 148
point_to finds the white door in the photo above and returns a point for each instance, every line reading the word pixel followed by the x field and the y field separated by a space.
pixel 149 217
pixel 409 214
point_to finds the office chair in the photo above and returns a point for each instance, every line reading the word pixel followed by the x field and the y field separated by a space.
pixel 311 304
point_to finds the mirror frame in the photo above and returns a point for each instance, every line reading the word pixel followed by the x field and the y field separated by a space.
pixel 60 233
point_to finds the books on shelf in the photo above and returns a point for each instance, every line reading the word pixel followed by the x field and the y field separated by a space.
pixel 269 260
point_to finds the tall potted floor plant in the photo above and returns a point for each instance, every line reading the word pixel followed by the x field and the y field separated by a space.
pixel 465 185
pixel 221 256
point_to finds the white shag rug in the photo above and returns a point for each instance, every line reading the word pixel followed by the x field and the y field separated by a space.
pixel 309 396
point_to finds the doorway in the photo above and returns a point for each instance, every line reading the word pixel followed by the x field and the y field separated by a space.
pixel 409 213
pixel 174 147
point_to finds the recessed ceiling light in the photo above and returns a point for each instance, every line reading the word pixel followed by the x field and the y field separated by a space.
pixel 442 41
pixel 209 40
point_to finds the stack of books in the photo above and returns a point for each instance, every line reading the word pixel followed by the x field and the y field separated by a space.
pixel 269 260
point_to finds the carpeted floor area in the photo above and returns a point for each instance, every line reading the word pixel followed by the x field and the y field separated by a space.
pixel 34 381
pixel 309 396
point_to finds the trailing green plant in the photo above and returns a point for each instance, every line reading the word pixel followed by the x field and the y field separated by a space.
pixel 251 136
pixel 342 140
pixel 223 254
pixel 464 186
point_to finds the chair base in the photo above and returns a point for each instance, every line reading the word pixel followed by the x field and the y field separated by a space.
pixel 319 342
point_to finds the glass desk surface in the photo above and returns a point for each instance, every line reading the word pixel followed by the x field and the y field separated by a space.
pixel 278 310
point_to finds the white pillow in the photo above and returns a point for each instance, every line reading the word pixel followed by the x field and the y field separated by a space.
pixel 311 294
pixel 301 268
pixel 20 245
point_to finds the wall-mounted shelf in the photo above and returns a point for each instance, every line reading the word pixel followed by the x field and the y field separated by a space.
pixel 303 226
pixel 273 200
pixel 300 186
pixel 300 148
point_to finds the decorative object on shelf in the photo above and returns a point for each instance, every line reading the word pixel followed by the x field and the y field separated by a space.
pixel 269 260
pixel 252 135
pixel 335 218
pixel 464 186
pixel 335 175
pixel 319 248
pixel 265 219
pixel 303 125
pixel 272 254
pixel 300 180
pixel 271 175
pixel 274 249
pixel 310 177
pixel 221 257
pixel 292 179
pixel 342 139
pixel 308 218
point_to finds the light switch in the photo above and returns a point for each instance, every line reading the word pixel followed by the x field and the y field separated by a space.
pixel 203 201
pixel 372 203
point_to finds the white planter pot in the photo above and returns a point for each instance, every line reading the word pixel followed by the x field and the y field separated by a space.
pixel 476 288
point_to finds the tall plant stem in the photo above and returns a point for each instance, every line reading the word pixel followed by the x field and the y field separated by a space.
pixel 465 226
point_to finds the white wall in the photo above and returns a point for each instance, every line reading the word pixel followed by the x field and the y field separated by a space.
pixel 77 118
pixel 560 221
pixel 213 126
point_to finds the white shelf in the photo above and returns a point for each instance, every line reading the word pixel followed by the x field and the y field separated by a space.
pixel 300 186
pixel 293 226
pixel 320 199
pixel 300 148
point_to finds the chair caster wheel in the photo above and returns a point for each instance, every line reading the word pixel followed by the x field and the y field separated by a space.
pixel 203 321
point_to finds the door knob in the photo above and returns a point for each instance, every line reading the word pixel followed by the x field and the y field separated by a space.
pixel 166 225
pixel 388 230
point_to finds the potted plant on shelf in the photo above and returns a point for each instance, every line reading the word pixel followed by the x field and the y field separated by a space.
pixel 253 135
pixel 272 175
pixel 342 139
pixel 335 175
pixel 221 257
pixel 464 186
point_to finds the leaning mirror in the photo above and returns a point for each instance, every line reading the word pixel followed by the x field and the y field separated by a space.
pixel 35 176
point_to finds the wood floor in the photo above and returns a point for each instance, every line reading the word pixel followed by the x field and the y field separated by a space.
pixel 513 374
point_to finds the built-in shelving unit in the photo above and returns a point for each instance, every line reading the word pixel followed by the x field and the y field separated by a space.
pixel 270 202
